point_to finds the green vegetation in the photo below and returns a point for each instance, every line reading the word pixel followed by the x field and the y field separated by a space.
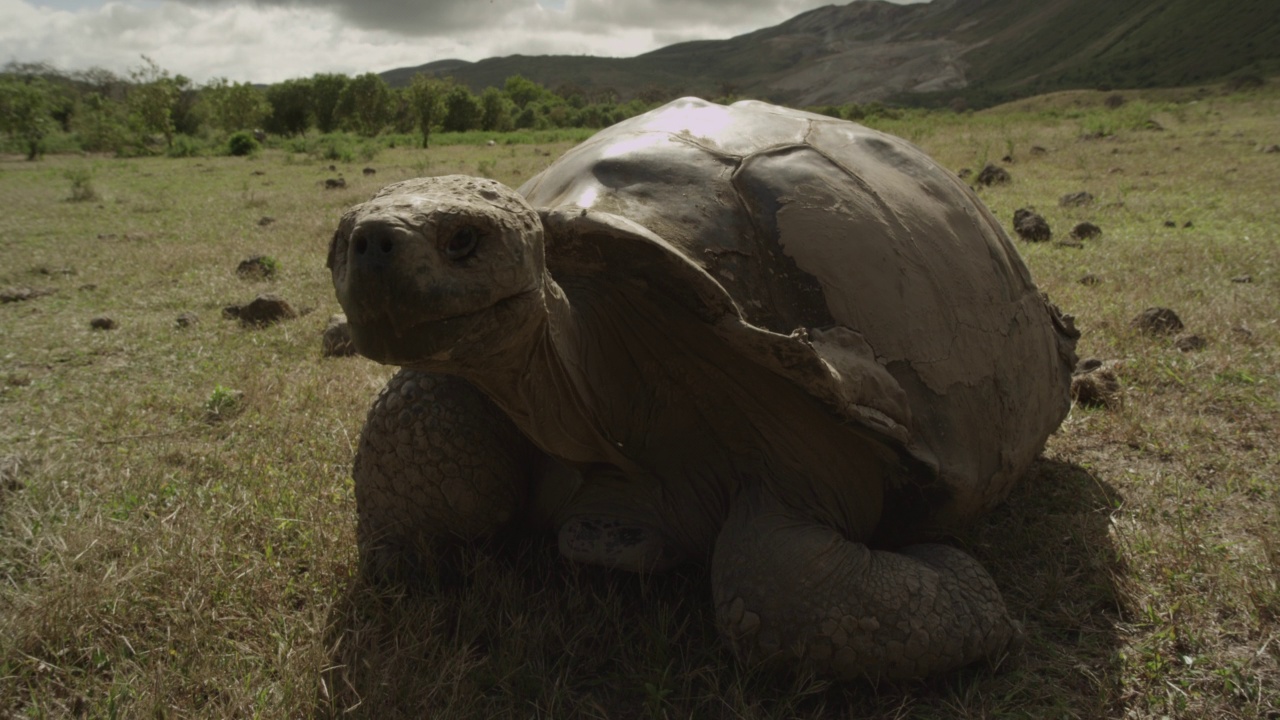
pixel 173 547
pixel 242 143
pixel 152 113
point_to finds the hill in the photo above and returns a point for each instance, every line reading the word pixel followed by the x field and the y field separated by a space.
pixel 981 50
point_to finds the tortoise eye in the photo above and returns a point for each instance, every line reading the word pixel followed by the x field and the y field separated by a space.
pixel 463 244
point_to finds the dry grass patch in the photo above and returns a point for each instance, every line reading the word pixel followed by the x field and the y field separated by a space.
pixel 176 513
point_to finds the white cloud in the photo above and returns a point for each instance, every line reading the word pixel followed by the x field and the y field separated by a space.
pixel 273 40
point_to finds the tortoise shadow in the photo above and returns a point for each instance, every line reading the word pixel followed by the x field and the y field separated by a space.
pixel 516 630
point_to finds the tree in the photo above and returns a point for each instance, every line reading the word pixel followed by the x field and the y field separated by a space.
pixel 495 110
pixel 235 106
pixel 24 112
pixel 523 91
pixel 186 107
pixel 426 98
pixel 99 123
pixel 326 92
pixel 462 110
pixel 290 103
pixel 365 104
pixel 151 99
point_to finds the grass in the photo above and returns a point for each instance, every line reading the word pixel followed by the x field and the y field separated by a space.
pixel 176 511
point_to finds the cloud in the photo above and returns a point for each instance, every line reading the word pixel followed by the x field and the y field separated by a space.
pixel 273 40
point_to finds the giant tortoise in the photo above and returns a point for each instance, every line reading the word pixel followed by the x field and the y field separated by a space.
pixel 786 346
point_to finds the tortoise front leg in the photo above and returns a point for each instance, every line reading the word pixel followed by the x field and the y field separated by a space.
pixel 437 462
pixel 789 589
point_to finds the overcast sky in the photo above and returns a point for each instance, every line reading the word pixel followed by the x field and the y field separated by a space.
pixel 272 40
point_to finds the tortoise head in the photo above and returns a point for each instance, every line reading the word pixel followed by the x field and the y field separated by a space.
pixel 436 271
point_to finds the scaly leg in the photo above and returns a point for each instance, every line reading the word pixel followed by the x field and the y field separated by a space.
pixel 788 589
pixel 437 461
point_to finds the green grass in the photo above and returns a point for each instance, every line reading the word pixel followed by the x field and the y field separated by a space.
pixel 176 511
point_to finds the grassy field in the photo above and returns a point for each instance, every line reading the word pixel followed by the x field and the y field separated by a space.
pixel 176 511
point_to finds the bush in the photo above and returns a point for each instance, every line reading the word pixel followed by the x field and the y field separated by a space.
pixel 81 180
pixel 242 143
pixel 186 146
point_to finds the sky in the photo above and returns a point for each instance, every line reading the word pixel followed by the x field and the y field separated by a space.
pixel 267 41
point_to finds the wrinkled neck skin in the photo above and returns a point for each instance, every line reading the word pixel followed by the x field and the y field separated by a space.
pixel 534 368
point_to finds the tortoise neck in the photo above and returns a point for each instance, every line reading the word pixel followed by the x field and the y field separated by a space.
pixel 542 382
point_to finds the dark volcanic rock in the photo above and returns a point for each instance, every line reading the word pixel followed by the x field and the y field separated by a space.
pixel 993 174
pixel 187 319
pixel 102 322
pixel 1030 225
pixel 264 310
pixel 336 341
pixel 258 267
pixel 1095 384
pixel 1189 343
pixel 1086 231
pixel 1157 321
pixel 1090 280
pixel 335 183
pixel 1076 199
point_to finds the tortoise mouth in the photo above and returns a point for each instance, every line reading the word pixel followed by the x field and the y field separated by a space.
pixel 384 336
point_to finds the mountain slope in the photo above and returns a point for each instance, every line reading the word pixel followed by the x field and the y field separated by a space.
pixel 870 49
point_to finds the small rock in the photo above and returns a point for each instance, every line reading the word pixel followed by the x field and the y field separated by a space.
pixel 1187 224
pixel 993 174
pixel 264 310
pixel 1114 101
pixel 965 173
pixel 187 319
pixel 1076 199
pixel 1189 343
pixel 335 183
pixel 1115 170
pixel 1007 159
pixel 336 341
pixel 333 168
pixel 1095 135
pixel 1086 231
pixel 1030 225
pixel 1090 280
pixel 258 172
pixel 1271 149
pixel 102 322
pixel 1242 279
pixel 1155 126
pixel 369 171
pixel 1170 223
pixel 1087 365
pixel 491 143
pixel 1037 150
pixel 265 220
pixel 88 287
pixel 1156 321
pixel 258 267
pixel 1097 387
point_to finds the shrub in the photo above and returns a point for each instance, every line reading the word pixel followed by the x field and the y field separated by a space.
pixel 185 146
pixel 242 143
pixel 82 189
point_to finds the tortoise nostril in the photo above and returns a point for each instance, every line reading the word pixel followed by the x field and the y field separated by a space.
pixel 386 245
pixel 361 245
